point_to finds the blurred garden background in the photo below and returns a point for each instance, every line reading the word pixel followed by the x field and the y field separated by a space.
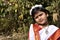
pixel 15 18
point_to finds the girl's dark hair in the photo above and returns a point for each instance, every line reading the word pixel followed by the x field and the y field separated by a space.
pixel 36 9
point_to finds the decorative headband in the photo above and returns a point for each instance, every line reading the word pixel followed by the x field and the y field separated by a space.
pixel 35 7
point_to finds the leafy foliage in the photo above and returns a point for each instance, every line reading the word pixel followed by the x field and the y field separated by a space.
pixel 15 17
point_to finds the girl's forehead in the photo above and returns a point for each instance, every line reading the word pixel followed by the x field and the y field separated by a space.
pixel 39 12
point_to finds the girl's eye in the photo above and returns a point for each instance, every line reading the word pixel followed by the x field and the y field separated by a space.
pixel 41 14
pixel 36 17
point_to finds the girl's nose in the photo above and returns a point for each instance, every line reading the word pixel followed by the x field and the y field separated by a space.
pixel 39 17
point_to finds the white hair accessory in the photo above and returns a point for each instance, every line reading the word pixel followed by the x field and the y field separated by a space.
pixel 35 7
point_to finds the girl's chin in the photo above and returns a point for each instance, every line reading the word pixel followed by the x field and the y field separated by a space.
pixel 42 23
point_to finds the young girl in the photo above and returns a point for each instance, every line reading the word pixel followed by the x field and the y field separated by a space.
pixel 41 30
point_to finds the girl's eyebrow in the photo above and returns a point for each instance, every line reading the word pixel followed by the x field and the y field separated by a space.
pixel 38 15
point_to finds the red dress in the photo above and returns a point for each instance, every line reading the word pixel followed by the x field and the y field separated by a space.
pixel 54 36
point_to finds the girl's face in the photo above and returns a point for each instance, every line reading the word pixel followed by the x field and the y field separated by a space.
pixel 41 17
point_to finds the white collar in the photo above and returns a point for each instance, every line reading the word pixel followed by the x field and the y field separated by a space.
pixel 31 33
pixel 43 35
pixel 51 29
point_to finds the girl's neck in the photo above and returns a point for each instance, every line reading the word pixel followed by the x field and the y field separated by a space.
pixel 43 26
